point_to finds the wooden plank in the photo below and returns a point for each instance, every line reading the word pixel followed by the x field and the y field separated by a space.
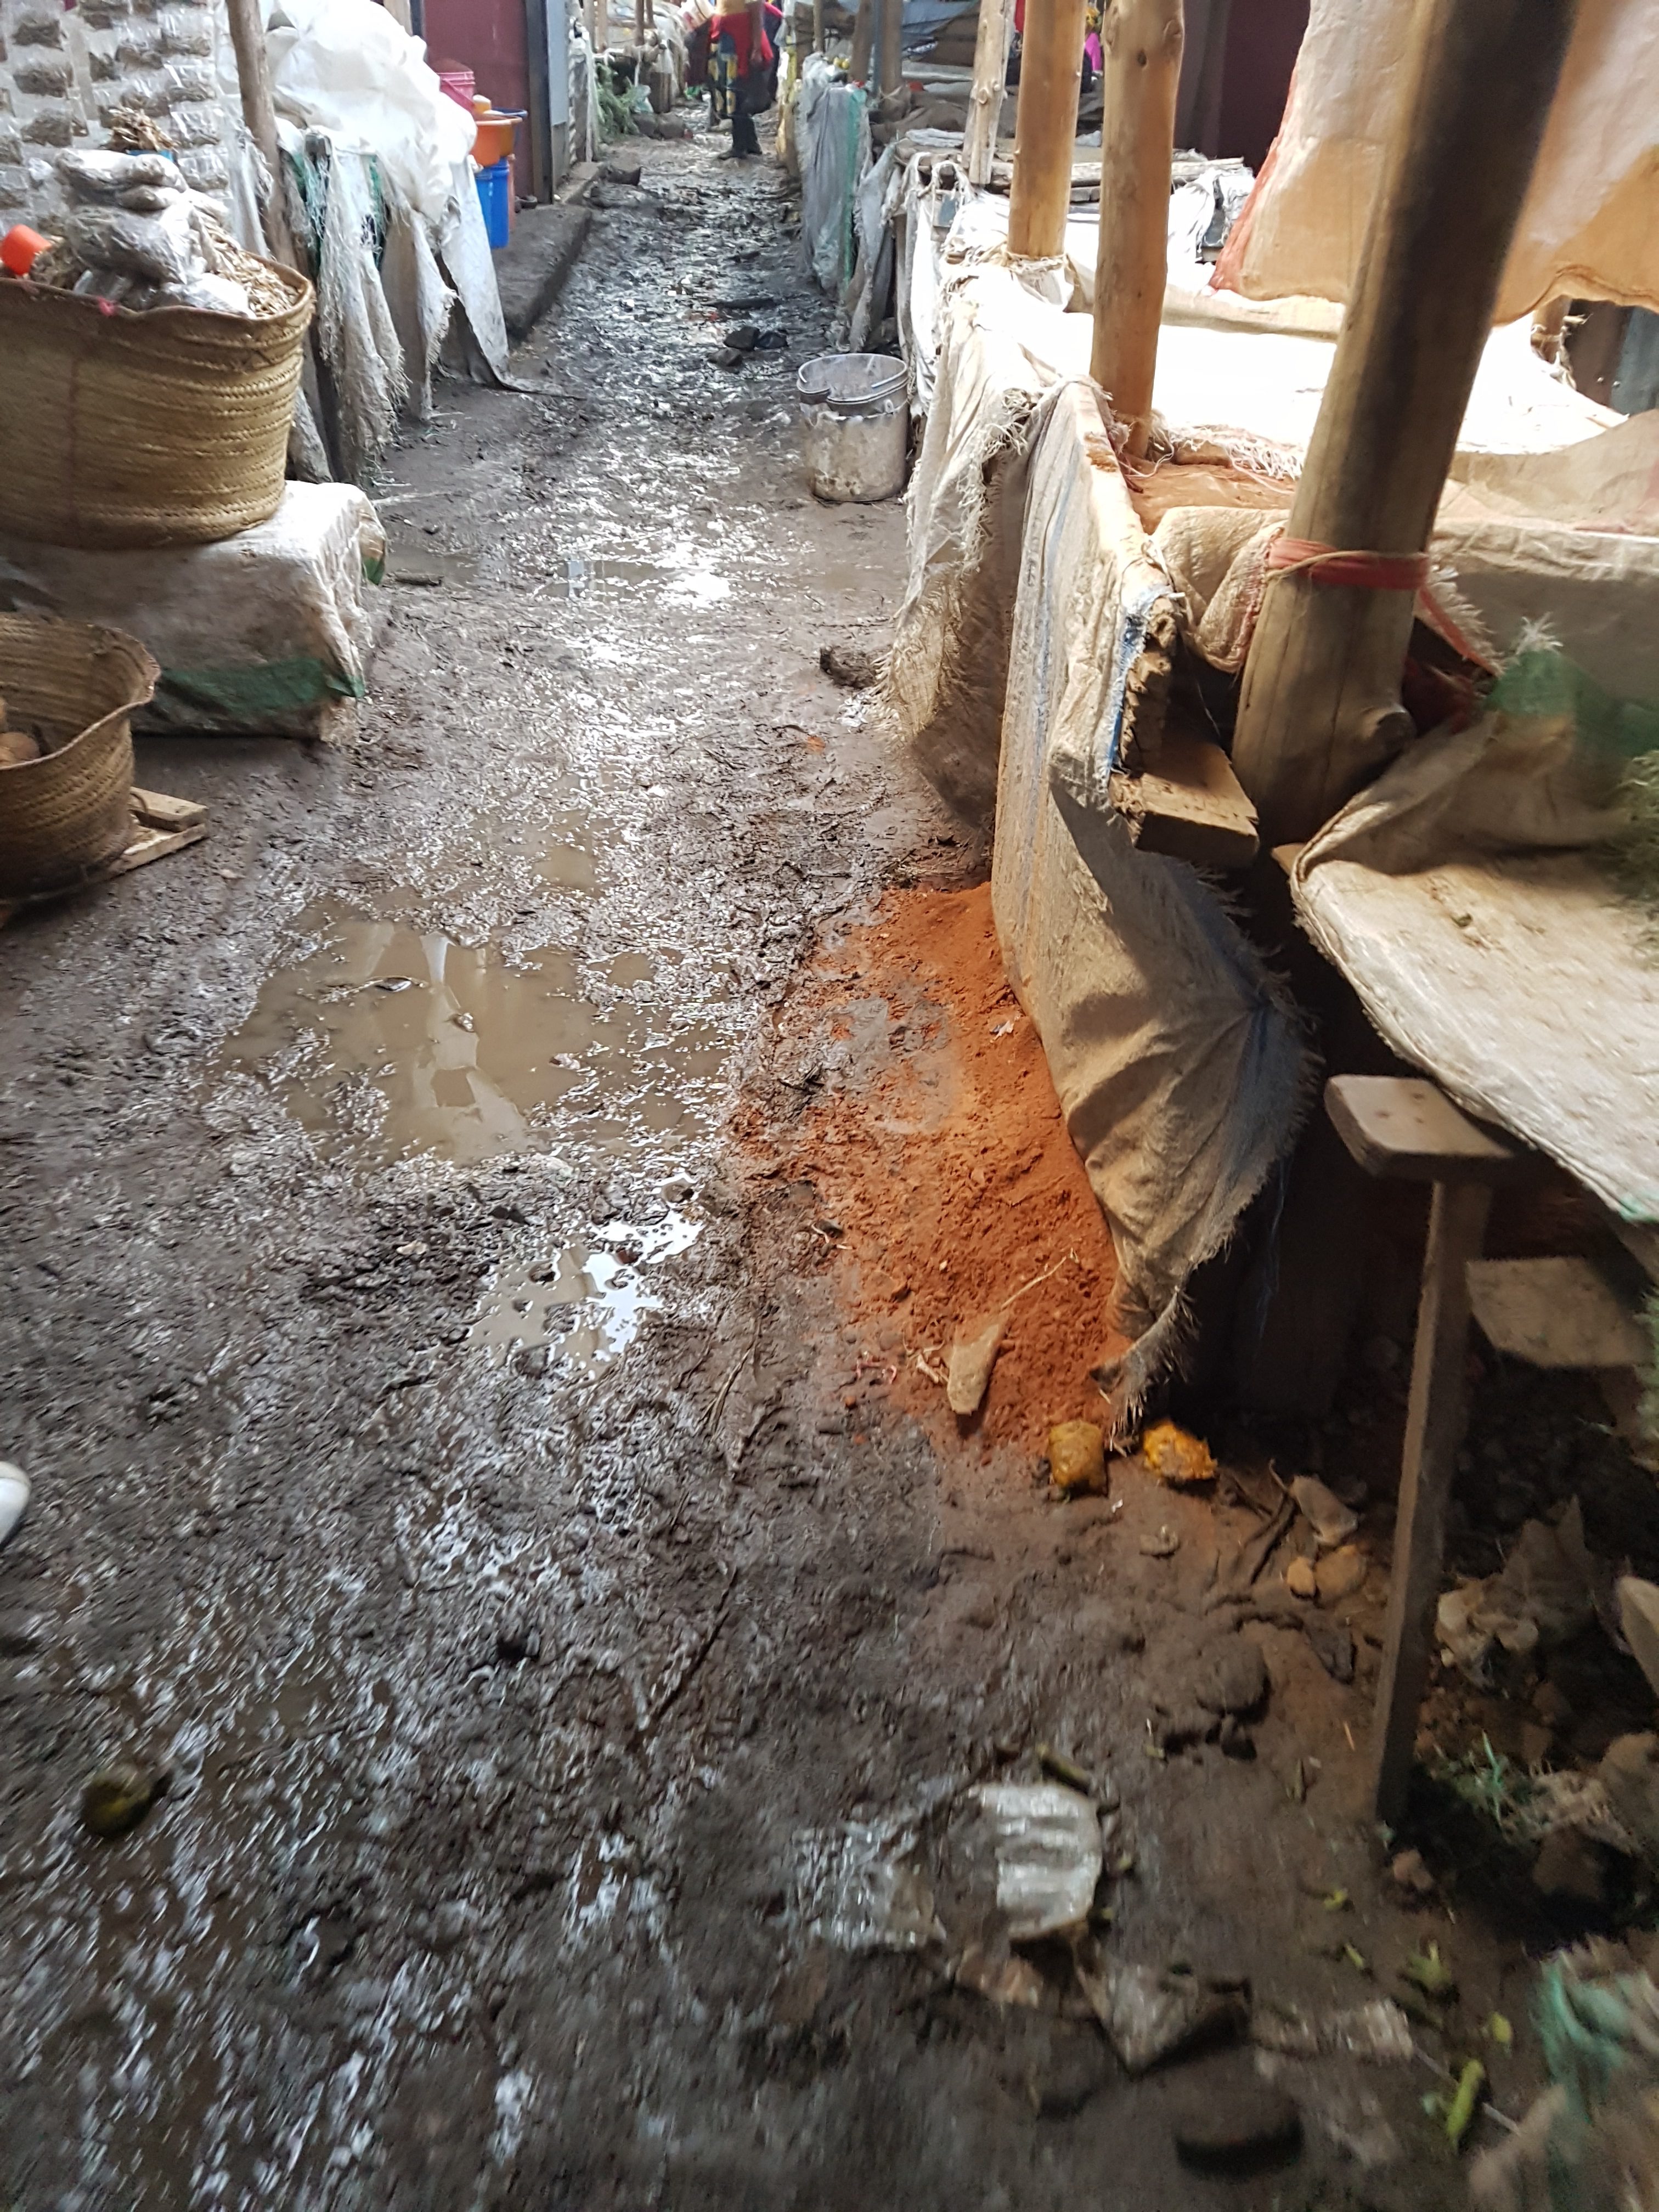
pixel 1190 806
pixel 1434 1431
pixel 1320 709
pixel 1142 42
pixel 1404 1126
pixel 149 844
pixel 1560 1312
pixel 1045 131
pixel 161 812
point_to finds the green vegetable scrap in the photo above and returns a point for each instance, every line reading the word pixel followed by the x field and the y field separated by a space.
pixel 1427 1971
pixel 1466 2103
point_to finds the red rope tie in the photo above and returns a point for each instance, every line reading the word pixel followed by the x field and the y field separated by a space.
pixel 1357 571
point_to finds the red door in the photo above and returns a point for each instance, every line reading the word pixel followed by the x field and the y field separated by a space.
pixel 490 38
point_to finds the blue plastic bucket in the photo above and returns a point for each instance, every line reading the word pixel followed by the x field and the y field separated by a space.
pixel 495 198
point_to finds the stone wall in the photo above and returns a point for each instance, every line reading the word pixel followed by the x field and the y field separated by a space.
pixel 64 67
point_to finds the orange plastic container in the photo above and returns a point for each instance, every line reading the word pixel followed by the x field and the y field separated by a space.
pixel 497 133
pixel 20 247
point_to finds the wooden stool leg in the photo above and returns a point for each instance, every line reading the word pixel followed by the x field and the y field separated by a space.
pixel 1434 1431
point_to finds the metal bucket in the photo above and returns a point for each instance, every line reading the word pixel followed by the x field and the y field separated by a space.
pixel 855 416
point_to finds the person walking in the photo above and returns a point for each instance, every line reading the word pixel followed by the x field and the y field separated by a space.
pixel 741 60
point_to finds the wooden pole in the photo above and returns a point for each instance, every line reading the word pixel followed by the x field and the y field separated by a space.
pixel 863 42
pixel 1045 129
pixel 247 36
pixel 892 46
pixel 991 44
pixel 818 27
pixel 1434 1431
pixel 1320 712
pixel 1141 42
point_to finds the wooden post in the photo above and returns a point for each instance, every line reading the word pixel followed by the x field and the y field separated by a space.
pixel 641 23
pixel 1320 708
pixel 892 46
pixel 1045 128
pixel 991 44
pixel 818 27
pixel 1140 44
pixel 863 42
pixel 1404 1127
pixel 247 36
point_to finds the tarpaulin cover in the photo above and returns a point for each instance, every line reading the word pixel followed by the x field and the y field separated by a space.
pixel 832 129
pixel 1178 1062
pixel 1460 896
pixel 266 633
pixel 1587 229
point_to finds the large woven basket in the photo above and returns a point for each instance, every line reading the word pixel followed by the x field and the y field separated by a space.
pixel 167 428
pixel 67 816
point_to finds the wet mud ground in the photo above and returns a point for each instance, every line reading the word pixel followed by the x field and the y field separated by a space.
pixel 458 1470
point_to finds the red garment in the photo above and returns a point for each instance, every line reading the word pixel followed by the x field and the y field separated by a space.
pixel 739 29
pixel 1019 18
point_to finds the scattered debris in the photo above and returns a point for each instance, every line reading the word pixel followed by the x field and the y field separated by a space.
pixel 972 1358
pixel 743 338
pixel 1498 2031
pixel 1341 1573
pixel 1062 1769
pixel 1162 1544
pixel 1077 1457
pixel 117 1797
pixel 1377 2031
pixel 1149 2016
pixel 1331 1521
pixel 1332 1644
pixel 1569 1866
pixel 1240 1576
pixel 1048 1854
pixel 857 1886
pixel 852 671
pixel 1008 1981
pixel 1345 2110
pixel 13 1496
pixel 619 171
pixel 1182 1461
pixel 1237 2130
pixel 1544 1596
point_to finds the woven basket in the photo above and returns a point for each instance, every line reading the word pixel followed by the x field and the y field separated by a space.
pixel 168 428
pixel 68 815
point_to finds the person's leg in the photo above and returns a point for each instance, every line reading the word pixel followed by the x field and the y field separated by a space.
pixel 746 141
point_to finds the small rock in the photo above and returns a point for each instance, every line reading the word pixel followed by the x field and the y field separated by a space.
pixel 743 338
pixel 1302 1581
pixel 1061 2081
pixel 1570 1865
pixel 1238 2131
pixel 1163 1544
pixel 1339 1574
pixel 1077 1457
pixel 1411 1874
pixel 1332 1644
pixel 118 1798
pixel 1328 1517
pixel 621 172
pixel 852 671
pixel 1232 1677
pixel 772 342
pixel 1630 1775
pixel 1183 1461
pixel 972 1358
pixel 728 357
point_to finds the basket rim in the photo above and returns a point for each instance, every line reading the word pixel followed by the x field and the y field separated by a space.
pixel 141 684
pixel 108 310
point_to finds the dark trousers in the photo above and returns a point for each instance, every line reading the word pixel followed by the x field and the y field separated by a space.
pixel 752 90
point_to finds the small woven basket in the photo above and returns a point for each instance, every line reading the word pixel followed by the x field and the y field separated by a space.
pixel 121 429
pixel 65 816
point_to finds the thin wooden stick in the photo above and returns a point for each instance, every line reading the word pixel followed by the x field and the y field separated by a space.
pixel 991 44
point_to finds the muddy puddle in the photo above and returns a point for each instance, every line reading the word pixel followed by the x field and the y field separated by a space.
pixel 685 577
pixel 387 1041
pixel 585 1302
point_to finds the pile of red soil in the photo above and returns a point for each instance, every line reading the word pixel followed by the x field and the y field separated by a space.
pixel 941 1159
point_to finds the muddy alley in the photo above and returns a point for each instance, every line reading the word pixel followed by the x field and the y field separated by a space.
pixel 484 1234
